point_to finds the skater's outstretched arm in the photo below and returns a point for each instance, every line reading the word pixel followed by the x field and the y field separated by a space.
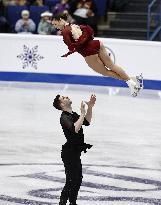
pixel 67 40
pixel 90 104
pixel 78 124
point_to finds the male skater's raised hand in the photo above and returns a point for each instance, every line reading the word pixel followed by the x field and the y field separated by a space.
pixel 92 101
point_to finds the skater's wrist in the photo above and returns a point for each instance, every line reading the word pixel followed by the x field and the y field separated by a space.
pixel 83 114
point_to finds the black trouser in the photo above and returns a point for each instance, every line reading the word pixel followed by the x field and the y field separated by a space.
pixel 73 171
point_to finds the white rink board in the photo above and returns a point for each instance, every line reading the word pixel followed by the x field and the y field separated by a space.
pixel 135 56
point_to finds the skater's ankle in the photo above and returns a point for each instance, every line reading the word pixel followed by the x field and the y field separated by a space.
pixel 131 82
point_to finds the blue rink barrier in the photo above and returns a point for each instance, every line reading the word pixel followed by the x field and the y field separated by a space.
pixel 72 79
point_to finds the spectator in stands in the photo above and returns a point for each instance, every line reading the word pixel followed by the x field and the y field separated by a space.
pixel 85 12
pixel 30 2
pixel 16 2
pixel 62 7
pixel 10 2
pixel 38 3
pixel 25 25
pixel 45 27
pixel 22 2
pixel 4 26
pixel 35 2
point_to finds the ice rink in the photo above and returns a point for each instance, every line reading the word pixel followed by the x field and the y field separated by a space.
pixel 122 168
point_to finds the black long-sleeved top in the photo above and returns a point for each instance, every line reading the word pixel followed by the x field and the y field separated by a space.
pixel 67 121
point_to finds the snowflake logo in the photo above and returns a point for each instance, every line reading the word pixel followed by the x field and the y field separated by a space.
pixel 30 57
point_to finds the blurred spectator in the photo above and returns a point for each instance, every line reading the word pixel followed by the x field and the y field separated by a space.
pixel 35 2
pixel 30 2
pixel 45 27
pixel 22 2
pixel 6 2
pixel 85 12
pixel 11 2
pixel 4 26
pixel 62 7
pixel 38 3
pixel 25 25
pixel 16 2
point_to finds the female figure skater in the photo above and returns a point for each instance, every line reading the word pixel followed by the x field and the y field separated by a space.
pixel 79 38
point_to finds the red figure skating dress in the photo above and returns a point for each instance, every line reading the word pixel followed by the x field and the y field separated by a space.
pixel 80 39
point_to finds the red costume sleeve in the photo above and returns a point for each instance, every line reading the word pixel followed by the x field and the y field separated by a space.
pixel 87 34
pixel 67 39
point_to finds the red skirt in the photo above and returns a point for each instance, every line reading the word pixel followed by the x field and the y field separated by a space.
pixel 92 47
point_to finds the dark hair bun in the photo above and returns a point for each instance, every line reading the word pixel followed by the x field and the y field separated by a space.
pixel 63 16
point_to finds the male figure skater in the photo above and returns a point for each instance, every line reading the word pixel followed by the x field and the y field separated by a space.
pixel 71 124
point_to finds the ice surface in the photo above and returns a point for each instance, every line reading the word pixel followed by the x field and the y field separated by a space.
pixel 122 168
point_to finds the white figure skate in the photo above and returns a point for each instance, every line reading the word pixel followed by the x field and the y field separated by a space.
pixel 139 85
